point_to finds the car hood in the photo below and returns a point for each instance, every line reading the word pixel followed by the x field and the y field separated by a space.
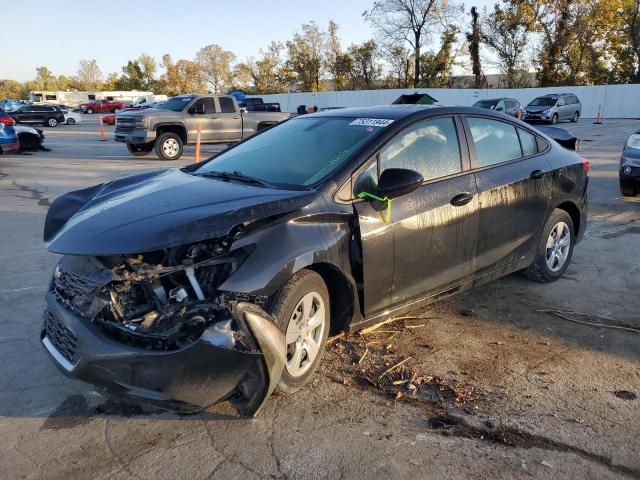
pixel 536 109
pixel 158 210
pixel 631 156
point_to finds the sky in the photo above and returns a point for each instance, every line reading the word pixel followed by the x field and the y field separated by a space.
pixel 59 33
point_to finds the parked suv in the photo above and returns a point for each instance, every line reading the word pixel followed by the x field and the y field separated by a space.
pixel 49 115
pixel 8 138
pixel 508 106
pixel 553 107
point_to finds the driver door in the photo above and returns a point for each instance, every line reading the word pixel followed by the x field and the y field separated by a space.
pixel 209 120
pixel 427 246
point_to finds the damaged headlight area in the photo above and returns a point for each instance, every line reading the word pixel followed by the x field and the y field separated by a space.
pixel 170 334
pixel 160 300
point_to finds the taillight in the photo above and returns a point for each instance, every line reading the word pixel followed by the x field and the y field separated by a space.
pixel 585 165
pixel 8 121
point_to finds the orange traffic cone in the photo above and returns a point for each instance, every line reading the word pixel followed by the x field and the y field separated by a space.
pixel 519 114
pixel 598 118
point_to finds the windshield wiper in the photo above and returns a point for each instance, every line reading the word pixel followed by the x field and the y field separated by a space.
pixel 237 176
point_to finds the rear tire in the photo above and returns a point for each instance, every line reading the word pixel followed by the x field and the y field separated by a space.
pixel 627 191
pixel 169 146
pixel 52 122
pixel 140 150
pixel 302 311
pixel 554 250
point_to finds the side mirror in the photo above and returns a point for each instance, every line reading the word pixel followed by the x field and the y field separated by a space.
pixel 396 182
pixel 499 109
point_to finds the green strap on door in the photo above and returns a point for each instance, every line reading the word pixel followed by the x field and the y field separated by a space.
pixel 387 215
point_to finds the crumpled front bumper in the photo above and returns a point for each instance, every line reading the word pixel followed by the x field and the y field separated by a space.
pixel 195 377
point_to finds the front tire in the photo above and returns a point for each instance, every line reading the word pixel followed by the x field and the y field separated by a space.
pixel 576 117
pixel 140 150
pixel 169 146
pixel 71 121
pixel 89 111
pixel 627 191
pixel 554 250
pixel 554 119
pixel 302 310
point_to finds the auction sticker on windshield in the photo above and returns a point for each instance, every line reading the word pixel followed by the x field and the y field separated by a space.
pixel 372 122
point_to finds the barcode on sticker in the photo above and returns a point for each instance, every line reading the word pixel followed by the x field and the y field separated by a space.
pixel 372 122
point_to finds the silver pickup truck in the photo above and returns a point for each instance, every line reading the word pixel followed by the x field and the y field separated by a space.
pixel 175 124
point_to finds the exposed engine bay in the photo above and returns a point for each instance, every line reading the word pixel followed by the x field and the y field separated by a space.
pixel 161 300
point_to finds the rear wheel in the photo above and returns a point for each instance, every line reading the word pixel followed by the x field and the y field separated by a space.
pixel 140 150
pixel 627 191
pixel 52 122
pixel 555 248
pixel 302 311
pixel 169 146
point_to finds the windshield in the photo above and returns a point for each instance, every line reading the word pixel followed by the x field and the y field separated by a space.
pixel 176 103
pixel 299 152
pixel 543 102
pixel 486 104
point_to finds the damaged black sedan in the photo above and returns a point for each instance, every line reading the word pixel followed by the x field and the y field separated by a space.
pixel 221 281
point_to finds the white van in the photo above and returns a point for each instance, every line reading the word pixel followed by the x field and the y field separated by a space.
pixel 146 100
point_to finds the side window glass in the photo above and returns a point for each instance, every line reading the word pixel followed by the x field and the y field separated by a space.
pixel 500 106
pixel 528 142
pixel 495 141
pixel 209 105
pixel 429 147
pixel 561 102
pixel 367 181
pixel 226 105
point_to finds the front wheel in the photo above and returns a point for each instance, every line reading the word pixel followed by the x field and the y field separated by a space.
pixel 554 119
pixel 302 311
pixel 554 250
pixel 627 191
pixel 169 146
pixel 71 121
pixel 89 111
pixel 52 122
pixel 575 118
pixel 140 150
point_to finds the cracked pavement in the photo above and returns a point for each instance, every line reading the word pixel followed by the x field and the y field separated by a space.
pixel 545 387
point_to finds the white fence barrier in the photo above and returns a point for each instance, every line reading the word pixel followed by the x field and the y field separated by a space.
pixel 616 101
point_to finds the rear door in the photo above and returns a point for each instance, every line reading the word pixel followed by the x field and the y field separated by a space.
pixel 209 121
pixel 230 120
pixel 431 231
pixel 513 190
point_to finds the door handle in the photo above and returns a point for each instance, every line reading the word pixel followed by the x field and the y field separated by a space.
pixel 461 199
pixel 536 174
pixel 236 117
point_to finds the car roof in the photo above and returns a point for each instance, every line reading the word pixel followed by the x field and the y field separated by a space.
pixel 399 111
pixel 496 99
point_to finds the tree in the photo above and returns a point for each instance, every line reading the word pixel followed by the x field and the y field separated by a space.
pixel 216 67
pixel 625 43
pixel 473 38
pixel 306 57
pixel 400 64
pixel 437 66
pixel 11 89
pixel 269 73
pixel 366 69
pixel 410 21
pixel 506 33
pixel 89 74
pixel 45 79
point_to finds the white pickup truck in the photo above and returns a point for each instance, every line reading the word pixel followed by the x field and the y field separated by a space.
pixel 175 124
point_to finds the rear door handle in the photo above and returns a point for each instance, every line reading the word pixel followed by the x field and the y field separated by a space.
pixel 536 174
pixel 461 199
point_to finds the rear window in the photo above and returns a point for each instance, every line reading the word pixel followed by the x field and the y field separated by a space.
pixel 226 105
pixel 495 141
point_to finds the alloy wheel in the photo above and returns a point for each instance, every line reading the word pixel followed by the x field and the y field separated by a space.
pixel 170 147
pixel 304 334
pixel 557 249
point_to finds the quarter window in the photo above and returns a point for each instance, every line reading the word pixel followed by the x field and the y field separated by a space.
pixel 495 141
pixel 429 147
pixel 528 142
pixel 226 105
